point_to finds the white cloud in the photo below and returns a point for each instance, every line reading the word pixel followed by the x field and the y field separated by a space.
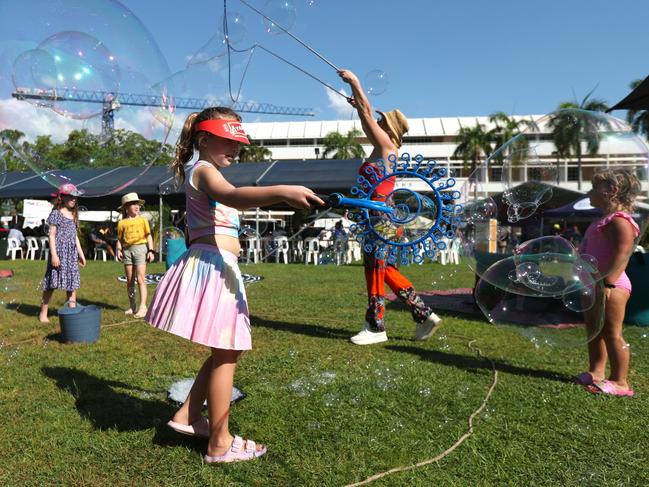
pixel 339 104
pixel 34 121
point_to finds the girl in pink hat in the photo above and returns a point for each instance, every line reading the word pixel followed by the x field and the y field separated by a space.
pixel 66 254
pixel 201 297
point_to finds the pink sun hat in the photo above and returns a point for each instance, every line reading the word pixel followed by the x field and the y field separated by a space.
pixel 68 189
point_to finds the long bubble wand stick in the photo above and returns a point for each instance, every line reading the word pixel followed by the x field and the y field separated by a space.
pixel 297 39
pixel 257 45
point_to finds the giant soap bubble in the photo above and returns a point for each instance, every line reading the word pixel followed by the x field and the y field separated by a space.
pixel 217 45
pixel 87 92
pixel 282 12
pixel 376 82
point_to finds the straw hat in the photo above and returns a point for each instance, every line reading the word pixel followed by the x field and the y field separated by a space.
pixel 397 123
pixel 130 198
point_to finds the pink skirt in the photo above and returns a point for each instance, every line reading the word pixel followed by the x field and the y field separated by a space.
pixel 201 297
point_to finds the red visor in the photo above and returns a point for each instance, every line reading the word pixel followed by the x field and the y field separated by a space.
pixel 228 129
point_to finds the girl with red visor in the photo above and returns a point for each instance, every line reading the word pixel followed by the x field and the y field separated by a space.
pixel 385 136
pixel 201 297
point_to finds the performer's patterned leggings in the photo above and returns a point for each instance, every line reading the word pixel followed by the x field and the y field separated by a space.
pixel 377 273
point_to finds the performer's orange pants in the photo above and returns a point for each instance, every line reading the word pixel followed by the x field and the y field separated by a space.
pixel 377 273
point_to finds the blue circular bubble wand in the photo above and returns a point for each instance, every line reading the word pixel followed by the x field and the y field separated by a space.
pixel 404 226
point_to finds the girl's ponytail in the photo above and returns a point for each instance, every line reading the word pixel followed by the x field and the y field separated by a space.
pixel 184 147
pixel 187 142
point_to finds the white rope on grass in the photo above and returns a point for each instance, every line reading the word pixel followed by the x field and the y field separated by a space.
pixel 459 441
pixel 41 338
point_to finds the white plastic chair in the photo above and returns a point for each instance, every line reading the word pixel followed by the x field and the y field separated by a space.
pixel 281 248
pixel 45 248
pixel 444 254
pixel 297 250
pixel 253 249
pixel 311 250
pixel 98 251
pixel 340 250
pixel 13 247
pixel 32 248
pixel 454 251
pixel 354 251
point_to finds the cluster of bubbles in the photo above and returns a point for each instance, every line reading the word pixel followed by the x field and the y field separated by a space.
pixel 547 287
pixel 70 68
pixel 542 290
pixel 217 70
pixel 90 75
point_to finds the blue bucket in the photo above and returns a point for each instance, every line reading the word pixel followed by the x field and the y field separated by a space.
pixel 175 248
pixel 80 324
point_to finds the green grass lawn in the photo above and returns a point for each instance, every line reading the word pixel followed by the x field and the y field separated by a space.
pixel 330 412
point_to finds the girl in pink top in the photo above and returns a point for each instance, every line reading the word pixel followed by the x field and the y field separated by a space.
pixel 201 296
pixel 611 240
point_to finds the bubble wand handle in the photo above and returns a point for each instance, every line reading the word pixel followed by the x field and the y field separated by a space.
pixel 337 200
pixel 297 39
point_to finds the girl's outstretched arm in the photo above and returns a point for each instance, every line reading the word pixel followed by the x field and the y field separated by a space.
pixel 212 182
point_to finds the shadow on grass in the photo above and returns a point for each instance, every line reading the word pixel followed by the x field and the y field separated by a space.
pixel 317 331
pixel 106 408
pixel 469 363
pixel 98 401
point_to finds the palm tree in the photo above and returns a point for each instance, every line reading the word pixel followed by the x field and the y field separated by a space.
pixel 343 146
pixel 474 143
pixel 254 153
pixel 506 128
pixel 571 126
pixel 639 119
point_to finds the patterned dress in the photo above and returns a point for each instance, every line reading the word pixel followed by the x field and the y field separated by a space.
pixel 66 277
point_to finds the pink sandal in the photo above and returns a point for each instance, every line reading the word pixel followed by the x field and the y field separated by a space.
pixel 240 450
pixel 199 428
pixel 607 387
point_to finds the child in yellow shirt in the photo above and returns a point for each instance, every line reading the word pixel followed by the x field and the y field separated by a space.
pixel 134 248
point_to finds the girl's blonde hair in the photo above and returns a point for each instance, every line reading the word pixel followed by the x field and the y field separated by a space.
pixel 624 185
pixel 188 140
pixel 58 203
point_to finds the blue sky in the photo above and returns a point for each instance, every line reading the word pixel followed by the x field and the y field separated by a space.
pixel 460 58
pixel 465 57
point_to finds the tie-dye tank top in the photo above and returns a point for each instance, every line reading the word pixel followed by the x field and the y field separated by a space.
pixel 206 216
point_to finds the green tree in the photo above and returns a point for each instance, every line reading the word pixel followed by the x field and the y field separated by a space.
pixel 639 119
pixel 506 128
pixel 343 146
pixel 572 127
pixel 10 140
pixel 474 144
pixel 254 153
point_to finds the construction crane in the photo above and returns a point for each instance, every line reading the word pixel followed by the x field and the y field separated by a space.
pixel 112 102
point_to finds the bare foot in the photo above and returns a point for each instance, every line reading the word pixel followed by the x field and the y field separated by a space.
pixel 43 319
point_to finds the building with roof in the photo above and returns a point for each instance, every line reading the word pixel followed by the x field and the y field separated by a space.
pixel 436 138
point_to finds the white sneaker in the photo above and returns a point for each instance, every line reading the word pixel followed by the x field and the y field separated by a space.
pixel 367 337
pixel 427 328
